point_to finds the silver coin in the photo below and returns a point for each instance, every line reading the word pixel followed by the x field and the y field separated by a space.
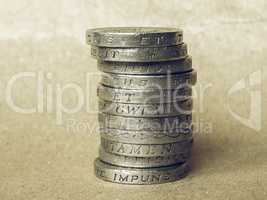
pixel 137 176
pixel 168 81
pixel 168 124
pixel 134 37
pixel 146 137
pixel 148 54
pixel 145 150
pixel 146 162
pixel 143 96
pixel 146 110
pixel 153 68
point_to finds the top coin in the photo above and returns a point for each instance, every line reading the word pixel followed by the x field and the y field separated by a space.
pixel 134 36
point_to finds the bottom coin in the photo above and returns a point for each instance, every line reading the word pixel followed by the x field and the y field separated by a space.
pixel 144 162
pixel 137 176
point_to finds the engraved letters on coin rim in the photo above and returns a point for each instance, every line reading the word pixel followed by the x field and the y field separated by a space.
pixel 134 36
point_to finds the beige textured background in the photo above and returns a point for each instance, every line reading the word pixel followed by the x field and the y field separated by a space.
pixel 43 160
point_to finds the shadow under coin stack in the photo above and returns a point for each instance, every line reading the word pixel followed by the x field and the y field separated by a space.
pixel 145 104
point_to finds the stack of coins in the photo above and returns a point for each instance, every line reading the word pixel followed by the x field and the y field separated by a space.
pixel 145 104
